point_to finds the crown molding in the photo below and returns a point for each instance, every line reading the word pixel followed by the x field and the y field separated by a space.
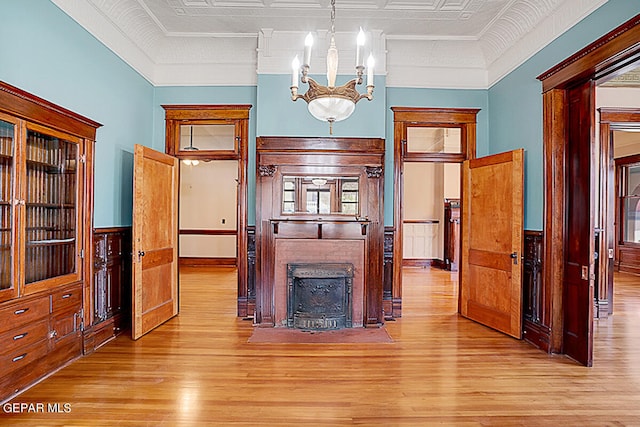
pixel 512 41
pixel 133 33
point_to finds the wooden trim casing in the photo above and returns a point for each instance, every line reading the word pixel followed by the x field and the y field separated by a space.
pixel 611 118
pixel 29 107
pixel 615 49
pixel 403 117
pixel 175 115
pixel 610 55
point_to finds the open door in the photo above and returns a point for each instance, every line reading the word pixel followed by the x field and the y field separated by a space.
pixel 579 247
pixel 155 240
pixel 491 270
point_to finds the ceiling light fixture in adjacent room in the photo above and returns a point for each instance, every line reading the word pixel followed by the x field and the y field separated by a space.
pixel 190 162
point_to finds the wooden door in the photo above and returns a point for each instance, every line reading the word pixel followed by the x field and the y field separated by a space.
pixel 155 240
pixel 491 270
pixel 579 249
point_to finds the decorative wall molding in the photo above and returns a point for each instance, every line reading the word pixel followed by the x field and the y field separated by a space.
pixel 446 44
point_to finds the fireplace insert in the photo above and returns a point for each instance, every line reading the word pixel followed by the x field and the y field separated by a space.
pixel 319 295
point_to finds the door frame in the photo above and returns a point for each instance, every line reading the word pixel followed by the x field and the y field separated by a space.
pixel 609 56
pixel 611 118
pixel 403 118
pixel 238 114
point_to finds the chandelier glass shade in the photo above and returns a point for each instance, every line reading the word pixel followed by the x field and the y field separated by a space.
pixel 330 103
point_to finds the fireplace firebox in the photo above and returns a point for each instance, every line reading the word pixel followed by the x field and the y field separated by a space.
pixel 319 296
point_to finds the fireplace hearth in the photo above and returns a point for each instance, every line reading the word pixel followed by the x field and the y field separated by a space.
pixel 319 296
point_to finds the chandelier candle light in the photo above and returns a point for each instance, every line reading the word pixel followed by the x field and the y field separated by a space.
pixel 330 103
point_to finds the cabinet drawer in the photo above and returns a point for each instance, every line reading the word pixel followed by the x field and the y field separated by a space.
pixel 66 299
pixel 24 336
pixel 23 312
pixel 18 358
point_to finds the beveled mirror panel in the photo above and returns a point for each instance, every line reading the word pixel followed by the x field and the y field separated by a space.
pixel 316 195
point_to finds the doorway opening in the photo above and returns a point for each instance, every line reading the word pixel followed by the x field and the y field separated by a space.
pixel 429 146
pixel 569 236
pixel 212 143
pixel 618 186
pixel 431 206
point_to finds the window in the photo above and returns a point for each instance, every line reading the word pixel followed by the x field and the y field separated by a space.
pixel 629 197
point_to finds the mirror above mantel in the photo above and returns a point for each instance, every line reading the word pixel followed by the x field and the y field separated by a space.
pixel 320 195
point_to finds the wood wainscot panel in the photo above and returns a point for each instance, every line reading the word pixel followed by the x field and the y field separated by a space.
pixel 535 330
pixel 628 259
pixel 109 311
pixel 207 262
pixel 390 310
pixel 247 298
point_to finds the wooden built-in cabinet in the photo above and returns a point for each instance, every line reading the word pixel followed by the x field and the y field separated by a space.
pixel 111 290
pixel 46 199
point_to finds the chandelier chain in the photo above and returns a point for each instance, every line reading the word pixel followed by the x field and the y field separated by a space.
pixel 333 17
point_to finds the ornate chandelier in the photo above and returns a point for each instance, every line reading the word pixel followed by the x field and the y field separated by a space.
pixel 330 103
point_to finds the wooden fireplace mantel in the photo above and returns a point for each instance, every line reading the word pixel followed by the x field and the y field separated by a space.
pixel 286 236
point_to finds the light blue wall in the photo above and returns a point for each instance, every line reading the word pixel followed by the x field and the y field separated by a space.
pixel 50 55
pixel 210 95
pixel 45 52
pixel 279 116
pixel 433 98
pixel 515 116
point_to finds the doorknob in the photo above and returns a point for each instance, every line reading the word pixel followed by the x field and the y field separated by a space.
pixel 514 257
pixel 140 255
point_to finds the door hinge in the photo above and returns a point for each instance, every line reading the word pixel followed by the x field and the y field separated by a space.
pixel 82 253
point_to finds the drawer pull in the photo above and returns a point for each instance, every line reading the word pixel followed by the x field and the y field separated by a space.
pixel 65 296
pixel 19 337
pixel 22 310
pixel 22 356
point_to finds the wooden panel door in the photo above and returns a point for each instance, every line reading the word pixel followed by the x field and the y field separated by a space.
pixel 579 249
pixel 492 211
pixel 155 240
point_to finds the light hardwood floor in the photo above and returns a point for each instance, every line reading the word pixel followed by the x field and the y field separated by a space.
pixel 198 370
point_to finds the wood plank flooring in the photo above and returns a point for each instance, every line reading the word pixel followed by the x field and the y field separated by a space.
pixel 199 370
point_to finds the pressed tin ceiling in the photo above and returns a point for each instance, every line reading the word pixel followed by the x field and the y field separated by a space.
pixel 417 43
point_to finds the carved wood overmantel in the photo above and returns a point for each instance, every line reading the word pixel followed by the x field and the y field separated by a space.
pixel 319 200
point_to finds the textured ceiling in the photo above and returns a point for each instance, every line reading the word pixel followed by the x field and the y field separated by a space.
pixel 165 39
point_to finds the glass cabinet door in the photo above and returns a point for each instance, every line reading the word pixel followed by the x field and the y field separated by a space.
pixel 7 216
pixel 51 217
